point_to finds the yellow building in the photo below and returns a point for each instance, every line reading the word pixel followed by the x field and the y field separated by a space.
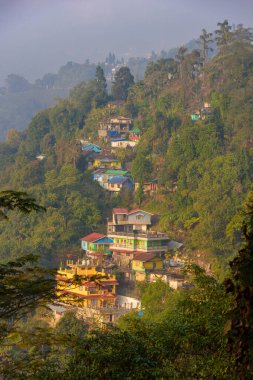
pixel 144 263
pixel 82 285
pixel 107 163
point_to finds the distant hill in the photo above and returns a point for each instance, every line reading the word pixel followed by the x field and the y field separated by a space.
pixel 21 100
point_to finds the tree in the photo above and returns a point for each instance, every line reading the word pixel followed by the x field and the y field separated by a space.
pixel 102 96
pixel 139 194
pixel 142 167
pixel 16 83
pixel 223 35
pixel 205 40
pixel 243 34
pixel 180 56
pixel 240 285
pixel 17 200
pixel 123 81
pixel 13 137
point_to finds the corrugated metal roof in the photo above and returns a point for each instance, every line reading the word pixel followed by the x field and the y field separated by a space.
pixel 120 211
pixel 144 256
pixel 116 172
pixel 93 237
pixel 118 180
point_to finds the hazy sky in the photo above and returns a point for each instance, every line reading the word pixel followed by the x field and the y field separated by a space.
pixel 39 36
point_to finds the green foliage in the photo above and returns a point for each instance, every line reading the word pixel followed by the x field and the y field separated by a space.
pixel 240 285
pixel 122 82
pixel 142 167
pixel 16 200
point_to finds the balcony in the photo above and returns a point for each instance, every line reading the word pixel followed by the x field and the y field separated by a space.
pixel 142 234
pixel 126 222
pixel 134 248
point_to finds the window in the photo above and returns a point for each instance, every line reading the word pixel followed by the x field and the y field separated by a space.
pixel 80 287
pixel 139 217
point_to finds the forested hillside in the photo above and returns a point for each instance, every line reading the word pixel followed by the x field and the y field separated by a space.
pixel 203 167
pixel 195 116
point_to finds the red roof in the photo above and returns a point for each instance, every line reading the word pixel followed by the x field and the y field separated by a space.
pixel 92 237
pixel 120 211
pixel 144 256
pixel 60 278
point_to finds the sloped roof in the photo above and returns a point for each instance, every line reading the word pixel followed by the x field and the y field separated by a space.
pixel 107 159
pixel 125 211
pixel 119 139
pixel 138 210
pixel 173 244
pixel 116 172
pixel 120 211
pixel 118 180
pixel 144 256
pixel 93 237
pixel 135 130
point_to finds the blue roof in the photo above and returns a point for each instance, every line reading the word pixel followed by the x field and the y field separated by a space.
pixel 91 147
pixel 118 179
pixel 119 139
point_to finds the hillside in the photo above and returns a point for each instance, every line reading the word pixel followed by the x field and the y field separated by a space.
pixel 185 128
pixel 21 100
pixel 203 167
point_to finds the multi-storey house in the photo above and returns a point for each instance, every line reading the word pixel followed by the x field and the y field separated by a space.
pixel 117 126
pixel 113 180
pixel 131 234
pixel 96 245
pixel 81 284
pixel 107 163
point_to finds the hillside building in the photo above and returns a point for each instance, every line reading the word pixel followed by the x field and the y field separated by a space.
pixel 131 234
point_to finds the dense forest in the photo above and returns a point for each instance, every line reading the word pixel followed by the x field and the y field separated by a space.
pixel 204 171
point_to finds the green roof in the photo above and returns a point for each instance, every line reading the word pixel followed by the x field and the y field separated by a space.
pixel 116 172
pixel 135 130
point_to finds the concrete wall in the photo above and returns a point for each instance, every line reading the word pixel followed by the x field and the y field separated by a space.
pixel 128 301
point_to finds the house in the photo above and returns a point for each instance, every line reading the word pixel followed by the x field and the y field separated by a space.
pixel 144 263
pixel 116 126
pixel 107 163
pixel 118 183
pixel 131 234
pixel 41 157
pixel 174 245
pixel 149 187
pixel 91 293
pixel 123 142
pixel 124 221
pixel 115 104
pixel 113 180
pixel 91 148
pixel 87 291
pixel 135 134
pixel 176 280
pixel 96 243
pixel 195 116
